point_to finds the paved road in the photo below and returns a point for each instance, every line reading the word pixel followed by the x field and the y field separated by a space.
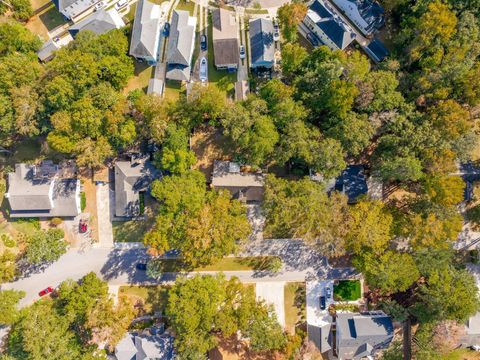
pixel 117 267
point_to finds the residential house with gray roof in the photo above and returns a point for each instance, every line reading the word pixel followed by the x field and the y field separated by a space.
pixel 180 46
pixel 145 347
pixel 100 22
pixel 131 179
pixel 47 51
pixel 262 45
pixel 244 186
pixel 327 26
pixel 367 15
pixel 225 39
pixel 145 40
pixel 360 335
pixel 40 191
pixel 74 10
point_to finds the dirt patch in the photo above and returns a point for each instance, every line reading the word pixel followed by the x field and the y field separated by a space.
pixel 233 349
pixel 90 191
pixel 208 144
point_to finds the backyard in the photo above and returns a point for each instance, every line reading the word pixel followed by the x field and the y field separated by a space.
pixel 148 298
pixel 347 290
pixel 46 19
pixel 294 297
pixel 142 75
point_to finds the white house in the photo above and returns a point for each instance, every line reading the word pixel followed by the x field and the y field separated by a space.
pixel 367 15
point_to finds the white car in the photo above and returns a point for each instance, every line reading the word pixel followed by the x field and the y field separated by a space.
pixel 242 52
pixel 121 4
pixel 203 69
pixel 100 5
pixel 276 33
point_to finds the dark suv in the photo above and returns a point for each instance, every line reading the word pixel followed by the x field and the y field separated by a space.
pixel 323 303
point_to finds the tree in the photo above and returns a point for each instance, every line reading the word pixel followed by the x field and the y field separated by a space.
pixel 264 332
pixel 445 190
pixel 7 266
pixel 22 9
pixel 204 226
pixel 45 246
pixel 450 119
pixel 390 272
pixel 251 131
pixel 177 161
pixel 289 16
pixel 384 94
pixel 302 209
pixel 330 158
pixel 370 227
pixel 8 305
pixel 16 38
pixel 401 169
pixel 41 333
pixel 293 55
pixel 108 323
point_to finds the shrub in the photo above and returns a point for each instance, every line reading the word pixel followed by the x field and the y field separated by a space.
pixel 22 9
pixel 141 199
pixel 8 241
pixel 83 201
pixel 56 221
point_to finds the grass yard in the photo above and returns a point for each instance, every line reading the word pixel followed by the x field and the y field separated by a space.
pixel 256 11
pixel 26 226
pixel 149 298
pixel 187 6
pixel 142 75
pixel 173 89
pixel 130 231
pixel 47 19
pixel 128 18
pixel 294 297
pixel 462 354
pixel 347 290
pixel 225 264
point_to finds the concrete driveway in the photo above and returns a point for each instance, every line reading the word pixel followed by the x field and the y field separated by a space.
pixel 105 204
pixel 273 293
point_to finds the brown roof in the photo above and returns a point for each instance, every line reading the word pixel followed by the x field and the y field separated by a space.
pixel 225 37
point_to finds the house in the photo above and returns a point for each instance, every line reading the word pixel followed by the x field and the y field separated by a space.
pixel 100 22
pixel 145 347
pixel 42 191
pixel 243 186
pixel 262 45
pixel 360 335
pixel 132 178
pixel 352 182
pixel 180 46
pixel 225 39
pixel 74 10
pixel 327 27
pixel 367 15
pixel 145 40
pixel 47 51
pixel 376 50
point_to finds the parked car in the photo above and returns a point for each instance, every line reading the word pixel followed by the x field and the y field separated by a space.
pixel 121 4
pixel 276 32
pixel 323 303
pixel 46 291
pixel 100 5
pixel 166 29
pixel 141 266
pixel 203 69
pixel 82 226
pixel 328 292
pixel 313 39
pixel 203 42
pixel 475 347
pixel 242 52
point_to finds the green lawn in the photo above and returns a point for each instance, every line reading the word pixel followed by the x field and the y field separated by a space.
pixel 222 79
pixel 128 18
pixel 225 264
pixel 129 231
pixel 173 89
pixel 294 297
pixel 154 298
pixel 26 226
pixel 256 11
pixel 187 6
pixel 52 18
pixel 347 290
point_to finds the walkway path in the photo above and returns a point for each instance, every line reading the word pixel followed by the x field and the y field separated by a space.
pixel 105 204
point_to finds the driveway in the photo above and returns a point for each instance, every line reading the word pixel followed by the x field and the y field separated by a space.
pixel 105 205
pixel 273 293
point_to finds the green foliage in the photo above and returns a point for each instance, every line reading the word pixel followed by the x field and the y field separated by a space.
pixel 347 290
pixel 177 161
pixel 56 221
pixel 302 209
pixel 293 55
pixel 202 306
pixel 289 16
pixel 22 9
pixel 83 201
pixel 16 38
pixel 204 226
pixel 8 305
pixel 45 246
pixel 394 309
pixel 8 241
pixel 7 266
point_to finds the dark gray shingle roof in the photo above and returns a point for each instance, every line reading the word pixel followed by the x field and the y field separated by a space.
pixel 261 40
pixel 100 22
pixel 180 42
pixel 146 30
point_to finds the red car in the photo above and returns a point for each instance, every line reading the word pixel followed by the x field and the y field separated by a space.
pixel 46 291
pixel 83 227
